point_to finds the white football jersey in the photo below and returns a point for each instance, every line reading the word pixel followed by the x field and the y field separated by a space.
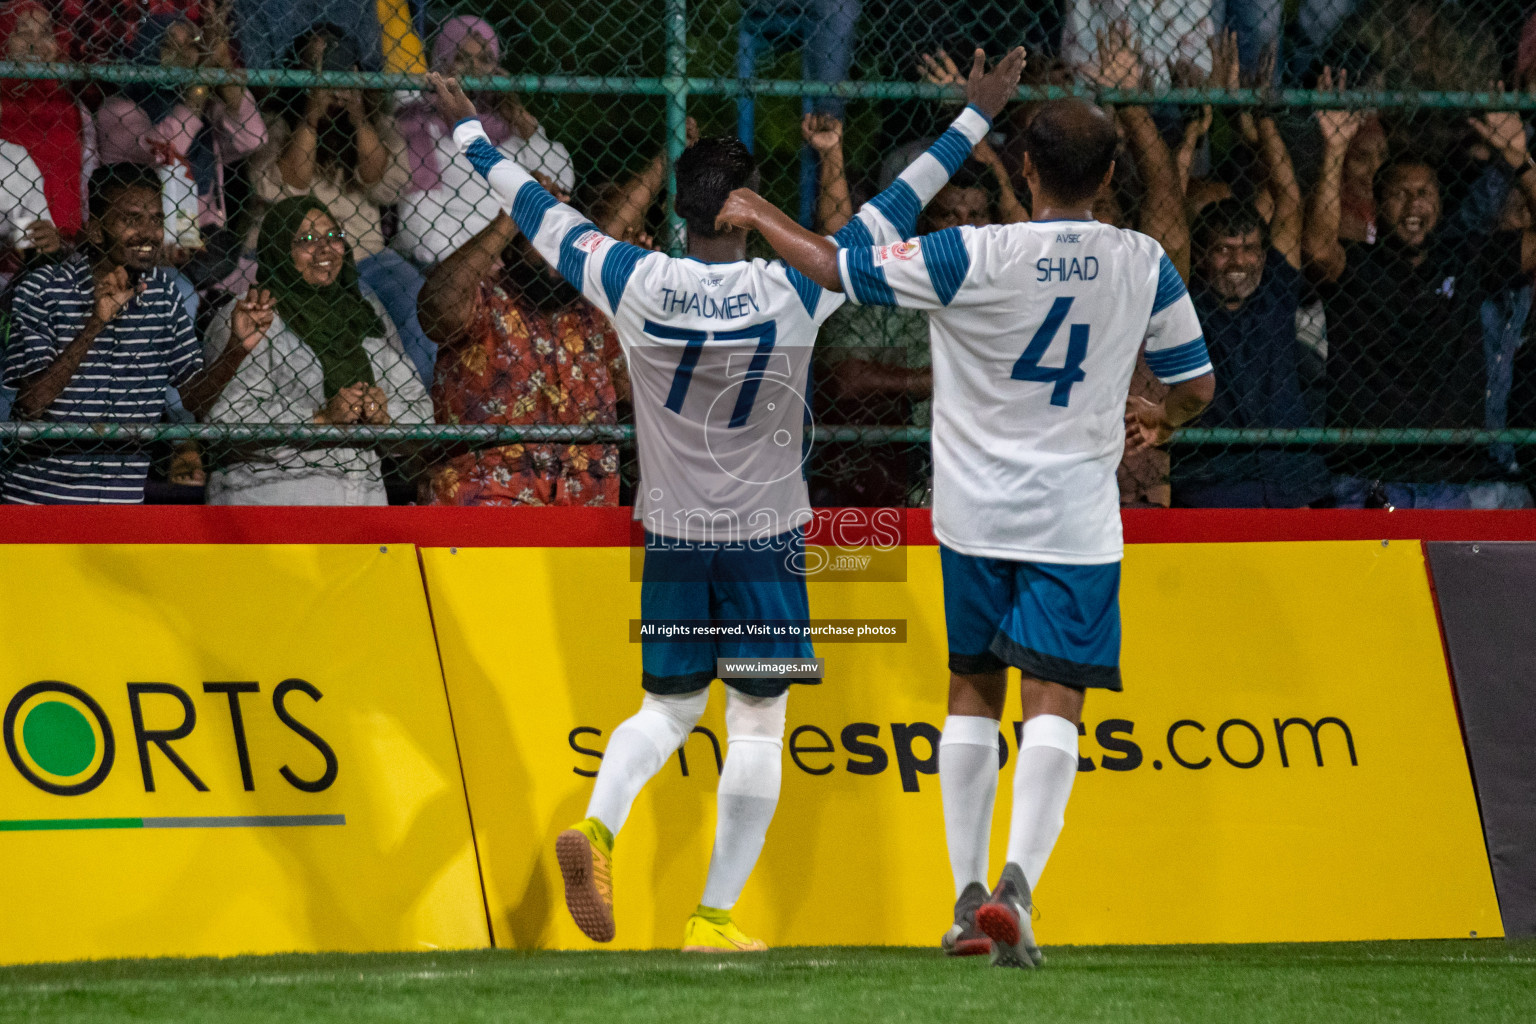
pixel 719 355
pixel 1035 330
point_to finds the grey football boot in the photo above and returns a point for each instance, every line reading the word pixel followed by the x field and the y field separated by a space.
pixel 964 938
pixel 1005 920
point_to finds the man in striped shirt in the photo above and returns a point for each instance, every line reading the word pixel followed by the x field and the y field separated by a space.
pixel 97 339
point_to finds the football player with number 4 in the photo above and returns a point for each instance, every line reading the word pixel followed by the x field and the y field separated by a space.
pixel 719 352
pixel 1035 330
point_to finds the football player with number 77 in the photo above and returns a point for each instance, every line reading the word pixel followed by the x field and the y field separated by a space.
pixel 719 351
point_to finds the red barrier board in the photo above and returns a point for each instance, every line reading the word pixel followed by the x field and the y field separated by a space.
pixel 605 527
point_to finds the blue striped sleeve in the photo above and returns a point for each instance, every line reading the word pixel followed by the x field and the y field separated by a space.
pixel 618 265
pixel 900 205
pixel 483 156
pixel 951 149
pixel 947 261
pixel 866 279
pixel 854 235
pixel 573 261
pixel 1170 286
pixel 808 290
pixel 1179 361
pixel 529 206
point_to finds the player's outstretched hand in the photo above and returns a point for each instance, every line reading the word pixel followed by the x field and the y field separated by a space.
pixel 449 98
pixel 1146 424
pixel 990 92
pixel 743 209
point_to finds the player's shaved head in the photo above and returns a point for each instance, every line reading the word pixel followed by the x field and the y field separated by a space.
pixel 1071 144
pixel 708 172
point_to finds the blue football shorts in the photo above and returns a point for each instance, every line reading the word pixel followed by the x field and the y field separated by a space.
pixel 1059 623
pixel 723 584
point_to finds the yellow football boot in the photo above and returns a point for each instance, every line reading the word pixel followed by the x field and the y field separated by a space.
pixel 585 853
pixel 712 931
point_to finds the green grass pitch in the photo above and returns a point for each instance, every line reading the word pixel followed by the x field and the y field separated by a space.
pixel 1336 983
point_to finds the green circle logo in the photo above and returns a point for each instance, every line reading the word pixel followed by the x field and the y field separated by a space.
pixel 59 738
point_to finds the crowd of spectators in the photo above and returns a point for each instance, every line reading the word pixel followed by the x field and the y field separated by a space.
pixel 302 256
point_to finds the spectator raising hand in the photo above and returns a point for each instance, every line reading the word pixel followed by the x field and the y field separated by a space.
pixel 1262 81
pixel 215 15
pixel 1323 251
pixel 1503 131
pixel 1224 74
pixel 620 209
pixel 251 321
pixel 1119 64
pixel 1169 32
pixel 1197 120
pixel 1405 329
pixel 253 317
pixel 823 132
pixel 519 345
pixel 1161 215
pixel 1337 126
pixel 1247 287
pixel 834 203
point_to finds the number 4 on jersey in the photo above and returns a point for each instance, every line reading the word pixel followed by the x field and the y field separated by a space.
pixel 1068 373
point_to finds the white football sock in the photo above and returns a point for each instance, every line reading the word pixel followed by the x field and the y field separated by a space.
pixel 1042 782
pixel 748 795
pixel 968 782
pixel 637 750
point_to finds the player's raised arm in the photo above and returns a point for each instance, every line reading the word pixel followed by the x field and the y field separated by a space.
pixel 595 263
pixel 892 215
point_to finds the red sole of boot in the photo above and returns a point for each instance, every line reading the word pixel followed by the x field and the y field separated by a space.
pixel 971 947
pixel 999 922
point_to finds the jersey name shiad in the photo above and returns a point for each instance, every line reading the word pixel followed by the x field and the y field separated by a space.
pixel 1035 331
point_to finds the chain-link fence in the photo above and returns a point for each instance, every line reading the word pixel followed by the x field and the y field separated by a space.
pixel 245 259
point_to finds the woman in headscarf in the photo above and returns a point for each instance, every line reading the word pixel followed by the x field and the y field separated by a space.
pixel 447 203
pixel 330 356
pixel 42 160
pixel 208 129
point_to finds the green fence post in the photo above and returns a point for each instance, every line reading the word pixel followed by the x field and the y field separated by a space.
pixel 676 84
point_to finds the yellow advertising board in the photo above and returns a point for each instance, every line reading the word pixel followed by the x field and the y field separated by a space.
pixel 1284 764
pixel 226 749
